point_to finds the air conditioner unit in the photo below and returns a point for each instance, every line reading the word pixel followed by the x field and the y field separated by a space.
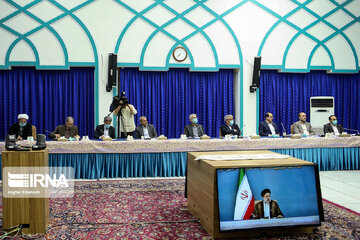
pixel 320 110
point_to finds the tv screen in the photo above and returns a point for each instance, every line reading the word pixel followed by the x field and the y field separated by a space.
pixel 251 198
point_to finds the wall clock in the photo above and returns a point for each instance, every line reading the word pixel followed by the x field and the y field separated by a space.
pixel 180 54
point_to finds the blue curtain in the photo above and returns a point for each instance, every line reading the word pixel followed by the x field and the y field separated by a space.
pixel 287 94
pixel 48 97
pixel 168 98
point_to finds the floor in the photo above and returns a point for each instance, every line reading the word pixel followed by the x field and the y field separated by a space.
pixel 341 187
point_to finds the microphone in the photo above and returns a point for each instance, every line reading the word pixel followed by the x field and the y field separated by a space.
pixel 352 130
pixel 284 135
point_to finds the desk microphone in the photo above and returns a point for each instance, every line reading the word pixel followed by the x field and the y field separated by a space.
pixel 358 134
pixel 284 130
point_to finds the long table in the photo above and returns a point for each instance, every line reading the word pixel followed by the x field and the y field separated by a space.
pixel 166 158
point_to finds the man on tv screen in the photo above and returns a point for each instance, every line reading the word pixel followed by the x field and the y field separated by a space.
pixel 267 208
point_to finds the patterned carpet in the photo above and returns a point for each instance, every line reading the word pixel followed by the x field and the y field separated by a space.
pixel 156 209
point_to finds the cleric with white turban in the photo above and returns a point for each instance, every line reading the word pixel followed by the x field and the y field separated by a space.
pixel 22 129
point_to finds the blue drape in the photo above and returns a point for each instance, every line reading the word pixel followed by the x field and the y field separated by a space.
pixel 108 165
pixel 168 98
pixel 287 94
pixel 48 97
pixel 328 159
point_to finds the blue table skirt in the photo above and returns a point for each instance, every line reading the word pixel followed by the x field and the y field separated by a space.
pixel 124 165
pixel 113 165
pixel 328 159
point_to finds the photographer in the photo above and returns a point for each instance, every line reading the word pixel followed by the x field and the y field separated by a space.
pixel 126 113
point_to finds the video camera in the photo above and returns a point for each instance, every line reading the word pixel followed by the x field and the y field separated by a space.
pixel 116 101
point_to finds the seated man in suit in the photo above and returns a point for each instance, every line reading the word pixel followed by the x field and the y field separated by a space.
pixel 302 126
pixel 67 130
pixel 145 129
pixel 193 129
pixel 22 129
pixel 105 130
pixel 333 126
pixel 268 127
pixel 267 208
pixel 230 127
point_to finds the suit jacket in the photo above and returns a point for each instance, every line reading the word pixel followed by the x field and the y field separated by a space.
pixel 61 130
pixel 99 131
pixel 188 130
pixel 259 210
pixel 297 128
pixel 15 129
pixel 264 129
pixel 329 129
pixel 139 131
pixel 225 130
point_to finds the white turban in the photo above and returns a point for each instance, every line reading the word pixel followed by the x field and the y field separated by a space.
pixel 23 116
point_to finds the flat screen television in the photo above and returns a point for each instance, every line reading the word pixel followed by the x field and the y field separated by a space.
pixel 269 197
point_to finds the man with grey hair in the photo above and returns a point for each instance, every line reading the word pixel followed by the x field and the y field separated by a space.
pixel 145 129
pixel 22 129
pixel 105 130
pixel 194 130
pixel 229 127
pixel 68 130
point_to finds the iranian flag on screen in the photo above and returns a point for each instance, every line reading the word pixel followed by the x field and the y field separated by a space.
pixel 244 203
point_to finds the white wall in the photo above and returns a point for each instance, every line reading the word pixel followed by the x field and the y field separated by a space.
pixel 216 33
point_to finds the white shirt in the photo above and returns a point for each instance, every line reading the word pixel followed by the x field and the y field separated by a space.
pixel 267 210
pixel 128 119
pixel 336 131
pixel 272 129
pixel 146 132
pixel 106 132
pixel 304 129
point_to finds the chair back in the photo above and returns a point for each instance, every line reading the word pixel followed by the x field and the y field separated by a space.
pixel 292 129
pixel 33 132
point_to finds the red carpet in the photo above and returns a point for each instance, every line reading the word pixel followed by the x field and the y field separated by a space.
pixel 156 209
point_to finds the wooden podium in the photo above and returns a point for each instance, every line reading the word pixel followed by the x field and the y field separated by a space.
pixel 202 189
pixel 32 211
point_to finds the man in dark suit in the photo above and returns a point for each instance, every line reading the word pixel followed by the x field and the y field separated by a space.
pixel 105 130
pixel 193 129
pixel 333 126
pixel 230 127
pixel 266 208
pixel 268 127
pixel 145 129
pixel 68 130
pixel 22 129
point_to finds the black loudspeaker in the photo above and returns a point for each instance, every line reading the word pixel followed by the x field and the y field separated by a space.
pixel 10 142
pixel 256 74
pixel 112 67
pixel 40 143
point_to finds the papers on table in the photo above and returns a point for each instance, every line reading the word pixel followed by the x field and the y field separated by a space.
pixel 242 157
